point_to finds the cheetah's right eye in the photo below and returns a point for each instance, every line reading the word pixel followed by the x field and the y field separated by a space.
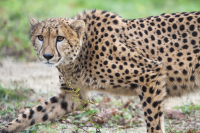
pixel 60 38
pixel 40 37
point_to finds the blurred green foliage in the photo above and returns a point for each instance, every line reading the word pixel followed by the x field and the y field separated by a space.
pixel 15 14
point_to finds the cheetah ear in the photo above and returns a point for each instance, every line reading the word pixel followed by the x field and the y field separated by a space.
pixel 33 22
pixel 78 26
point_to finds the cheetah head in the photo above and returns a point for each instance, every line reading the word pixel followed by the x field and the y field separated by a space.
pixel 58 40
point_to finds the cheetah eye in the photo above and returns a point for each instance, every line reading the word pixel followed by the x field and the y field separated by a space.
pixel 60 38
pixel 40 37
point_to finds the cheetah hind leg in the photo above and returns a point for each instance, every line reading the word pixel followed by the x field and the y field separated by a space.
pixel 55 107
pixel 152 96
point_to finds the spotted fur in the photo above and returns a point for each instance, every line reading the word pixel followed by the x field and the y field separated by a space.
pixel 155 58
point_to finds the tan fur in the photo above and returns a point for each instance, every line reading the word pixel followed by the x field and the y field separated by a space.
pixel 154 58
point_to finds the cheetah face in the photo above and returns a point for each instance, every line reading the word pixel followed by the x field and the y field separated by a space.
pixel 57 41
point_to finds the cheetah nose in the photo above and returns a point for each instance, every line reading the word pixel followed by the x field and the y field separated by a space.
pixel 48 56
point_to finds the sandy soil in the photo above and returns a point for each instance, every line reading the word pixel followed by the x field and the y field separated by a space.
pixel 33 75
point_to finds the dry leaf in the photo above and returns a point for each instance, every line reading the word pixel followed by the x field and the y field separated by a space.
pixel 41 100
pixel 110 112
pixel 98 120
pixel 192 131
pixel 107 113
pixel 22 111
pixel 120 112
pixel 105 99
pixel 127 103
pixel 173 114
pixel 137 119
pixel 54 126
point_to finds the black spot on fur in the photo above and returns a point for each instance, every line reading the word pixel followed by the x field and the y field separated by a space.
pixel 54 100
pixel 133 86
pixel 158 127
pixel 39 108
pixel 192 78
pixel 189 18
pixel 158 92
pixel 109 28
pixel 150 118
pixel 194 34
pixel 156 116
pixel 169 67
pixel 196 51
pixel 155 104
pixel 149 111
pixel 149 100
pixel 45 117
pixel 151 90
pixel 141 97
pixel 144 104
pixel 24 115
pixel 198 20
pixel 115 21
pixel 144 88
pixel 72 106
pixel 171 20
pixel 31 114
pixel 174 26
pixel 64 105
pixel 191 27
pixel 180 19
pixel 32 122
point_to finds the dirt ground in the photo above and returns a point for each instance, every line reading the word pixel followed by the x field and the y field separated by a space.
pixel 40 78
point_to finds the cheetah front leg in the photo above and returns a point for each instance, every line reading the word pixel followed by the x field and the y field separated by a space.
pixel 152 95
pixel 55 107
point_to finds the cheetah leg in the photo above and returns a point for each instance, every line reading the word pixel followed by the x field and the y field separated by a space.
pixel 163 123
pixel 152 96
pixel 55 107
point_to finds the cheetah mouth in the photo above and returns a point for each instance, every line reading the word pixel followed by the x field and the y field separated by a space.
pixel 49 63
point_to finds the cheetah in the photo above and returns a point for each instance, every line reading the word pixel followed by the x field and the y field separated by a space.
pixel 154 58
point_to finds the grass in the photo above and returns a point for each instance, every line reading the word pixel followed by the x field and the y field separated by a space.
pixel 187 125
pixel 13 94
pixel 14 99
pixel 188 108
pixel 15 14
pixel 11 100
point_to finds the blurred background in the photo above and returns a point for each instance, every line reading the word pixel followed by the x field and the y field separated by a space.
pixel 24 83
pixel 15 15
